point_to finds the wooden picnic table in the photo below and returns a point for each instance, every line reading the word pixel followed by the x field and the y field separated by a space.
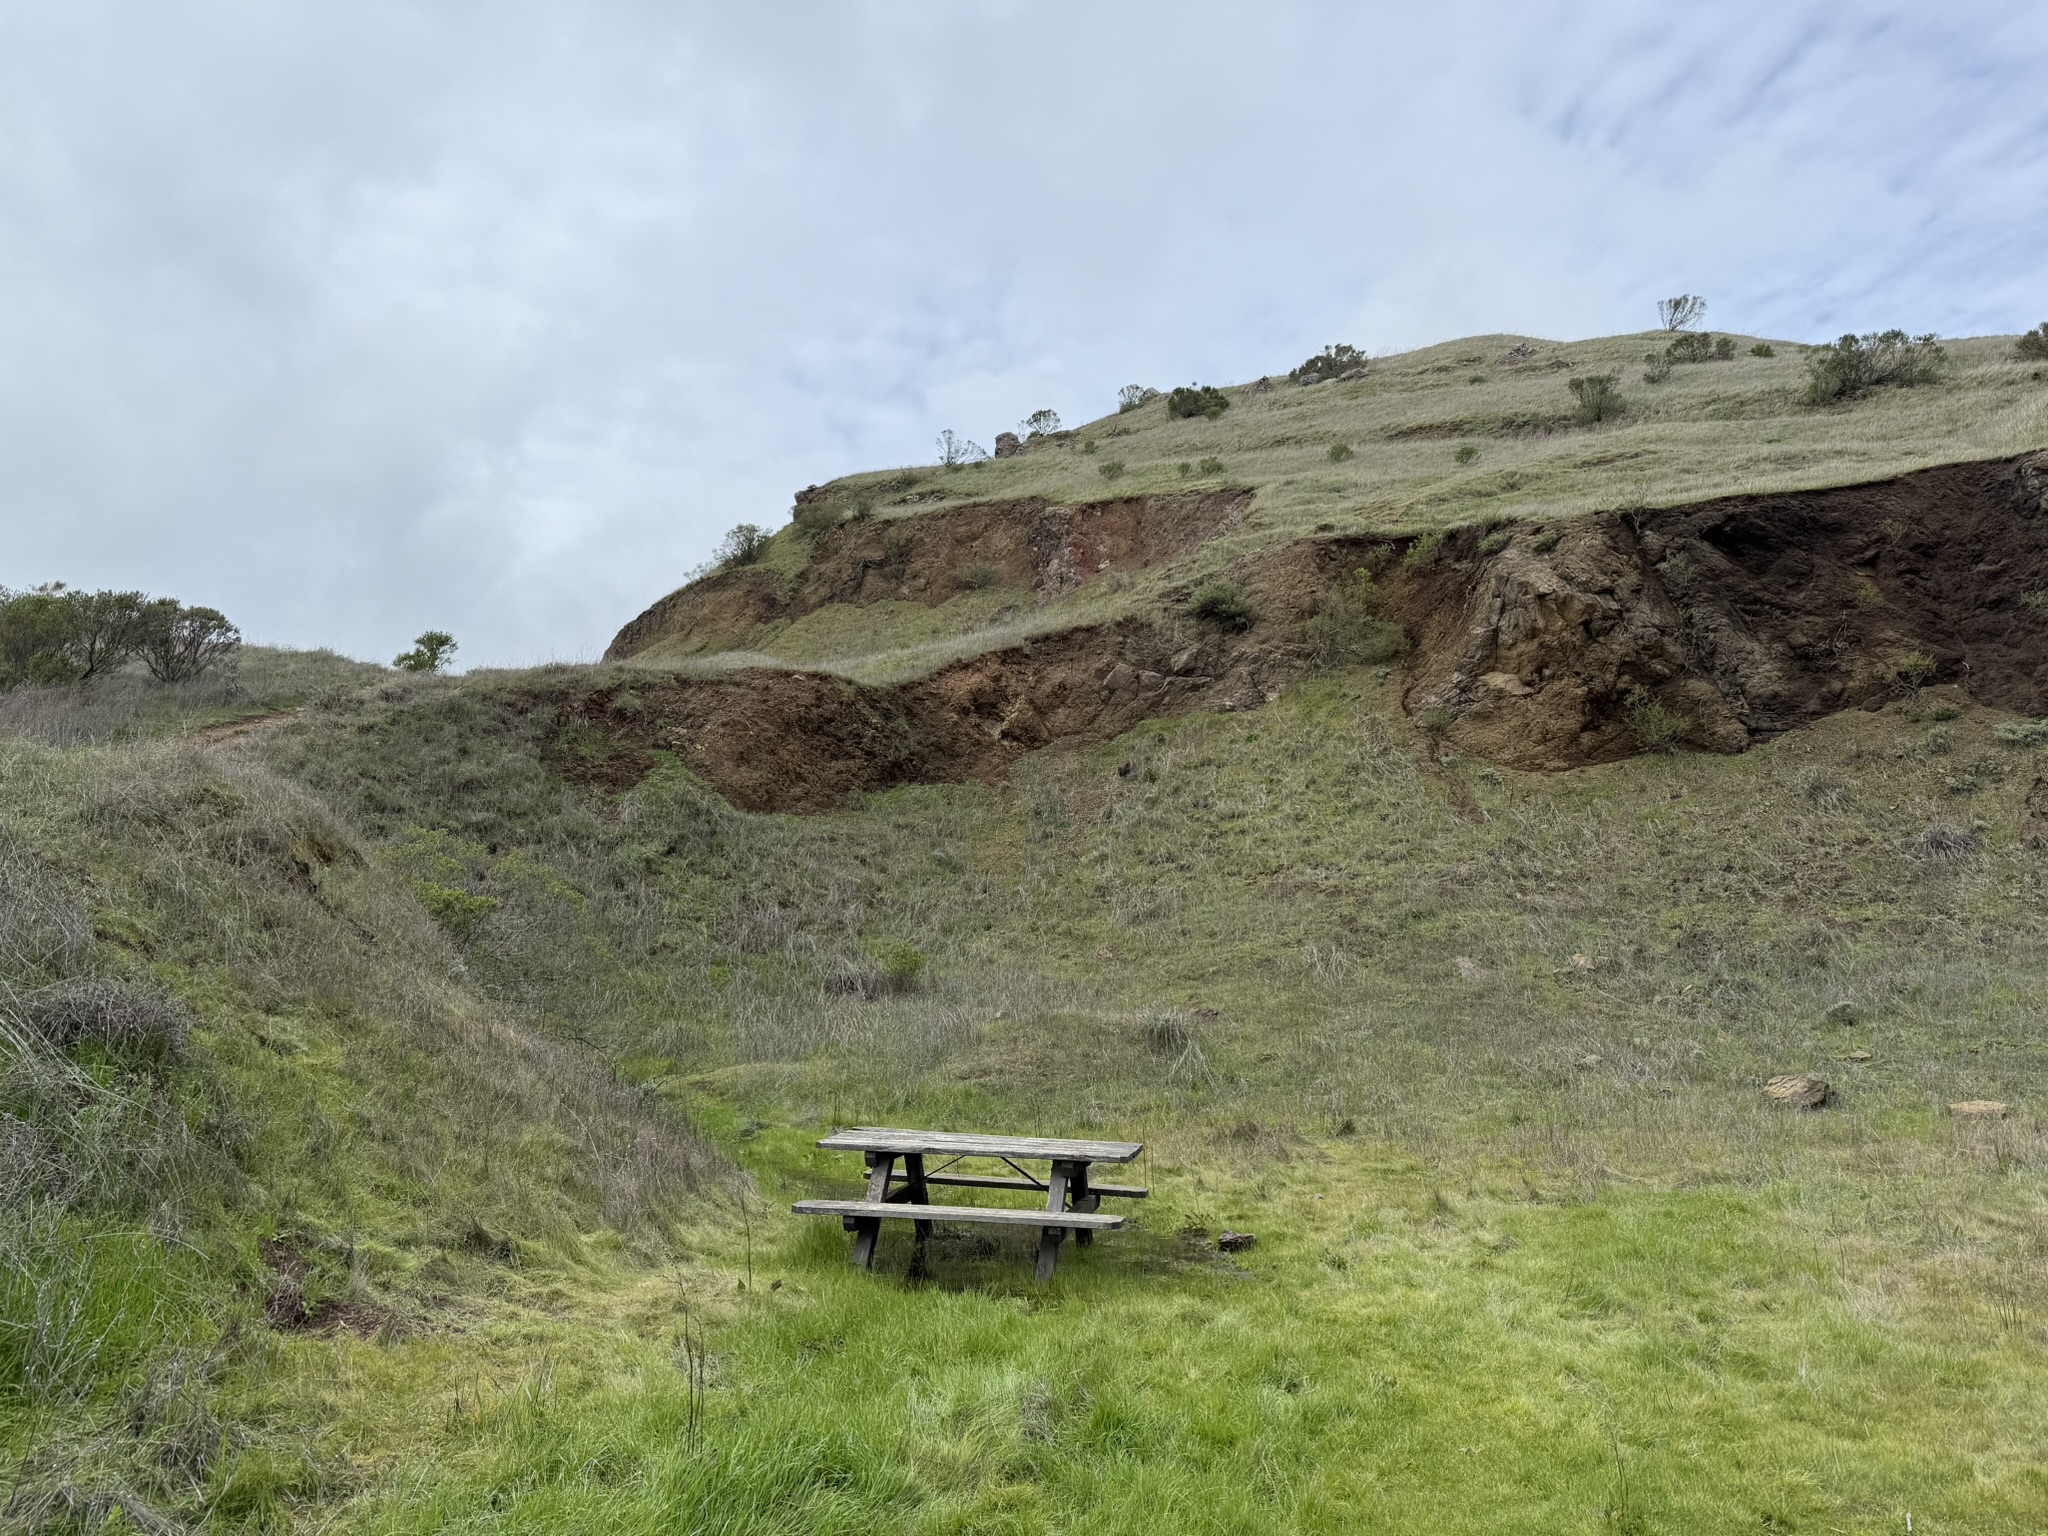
pixel 1071 1196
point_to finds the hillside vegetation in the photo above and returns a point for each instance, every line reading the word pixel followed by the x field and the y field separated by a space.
pixel 404 1078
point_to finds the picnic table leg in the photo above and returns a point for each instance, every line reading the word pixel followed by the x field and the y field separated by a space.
pixel 1049 1237
pixel 880 1166
pixel 1081 1198
pixel 914 1187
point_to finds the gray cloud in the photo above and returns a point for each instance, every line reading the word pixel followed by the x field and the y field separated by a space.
pixel 355 320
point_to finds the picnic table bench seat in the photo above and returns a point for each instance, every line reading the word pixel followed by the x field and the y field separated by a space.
pixel 902 1193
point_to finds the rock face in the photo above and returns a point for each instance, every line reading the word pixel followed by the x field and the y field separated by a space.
pixel 1739 618
pixel 1008 445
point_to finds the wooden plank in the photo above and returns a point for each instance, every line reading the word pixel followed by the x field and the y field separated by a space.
pixel 993 1181
pixel 1055 1205
pixel 892 1210
pixel 959 1144
pixel 867 1230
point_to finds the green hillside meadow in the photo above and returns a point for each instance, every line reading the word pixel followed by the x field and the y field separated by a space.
pixel 400 1123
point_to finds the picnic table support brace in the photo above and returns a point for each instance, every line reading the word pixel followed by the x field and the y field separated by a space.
pixel 1055 1201
pixel 869 1228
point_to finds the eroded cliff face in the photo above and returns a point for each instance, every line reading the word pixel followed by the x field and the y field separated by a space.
pixel 1036 546
pixel 1745 616
pixel 1742 618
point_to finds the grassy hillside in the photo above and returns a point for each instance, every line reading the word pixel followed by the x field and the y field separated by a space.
pixel 1477 1055
pixel 1480 429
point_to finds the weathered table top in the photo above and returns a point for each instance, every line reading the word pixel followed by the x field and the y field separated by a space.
pixel 948 1143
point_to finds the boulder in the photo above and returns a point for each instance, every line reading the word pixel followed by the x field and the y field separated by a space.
pixel 1235 1242
pixel 1008 445
pixel 1984 1109
pixel 1844 1012
pixel 1799 1090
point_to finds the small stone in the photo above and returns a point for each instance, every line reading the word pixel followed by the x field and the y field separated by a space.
pixel 1122 678
pixel 1583 962
pixel 1591 1060
pixel 1799 1090
pixel 1859 1055
pixel 1468 968
pixel 1844 1012
pixel 1234 1242
pixel 1987 1109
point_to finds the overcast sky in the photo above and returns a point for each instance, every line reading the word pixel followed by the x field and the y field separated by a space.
pixel 358 319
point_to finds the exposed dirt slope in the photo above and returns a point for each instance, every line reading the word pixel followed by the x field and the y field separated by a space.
pixel 1745 616
pixel 1030 544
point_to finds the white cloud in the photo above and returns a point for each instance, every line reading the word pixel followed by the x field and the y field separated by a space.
pixel 358 320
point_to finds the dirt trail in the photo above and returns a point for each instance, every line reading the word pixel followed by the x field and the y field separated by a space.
pixel 1740 618
pixel 236 729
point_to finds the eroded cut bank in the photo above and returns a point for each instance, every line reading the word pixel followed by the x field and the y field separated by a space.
pixel 1536 646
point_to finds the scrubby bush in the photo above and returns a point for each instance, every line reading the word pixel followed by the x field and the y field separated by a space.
pixel 1339 452
pixel 1656 367
pixel 1913 669
pixel 1599 397
pixel 1223 604
pixel 977 576
pixel 1854 364
pixel 1763 349
pixel 956 451
pixel 1656 727
pixel 178 643
pixel 742 546
pixel 1347 629
pixel 1191 400
pixel 2022 733
pixel 2033 346
pixel 133 1021
pixel 1681 313
pixel 1110 469
pixel 1339 361
pixel 1210 466
pixel 1423 550
pixel 1701 347
pixel 1186 467
pixel 1131 396
pixel 429 653
pixel 1040 423
pixel 1466 453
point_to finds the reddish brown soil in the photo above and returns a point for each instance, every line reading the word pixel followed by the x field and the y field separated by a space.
pixel 1745 616
pixel 934 556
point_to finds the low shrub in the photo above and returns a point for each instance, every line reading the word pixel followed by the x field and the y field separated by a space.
pixel 1496 541
pixel 1423 550
pixel 432 648
pixel 52 634
pixel 1855 364
pixel 1466 453
pixel 2021 733
pixel 1191 400
pixel 977 576
pixel 1339 452
pixel 1186 468
pixel 1545 541
pixel 1340 361
pixel 2033 346
pixel 1131 396
pixel 130 1020
pixel 1655 727
pixel 1763 349
pixel 1347 629
pixel 744 545
pixel 1599 397
pixel 1110 469
pixel 1434 720
pixel 1913 669
pixel 1223 604
pixel 1210 466
pixel 1656 367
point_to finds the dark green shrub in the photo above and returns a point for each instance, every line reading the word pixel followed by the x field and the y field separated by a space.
pixel 1186 468
pixel 1496 541
pixel 1347 629
pixel 1763 349
pixel 1656 367
pixel 1859 363
pixel 1423 550
pixel 178 643
pixel 1599 397
pixel 1724 349
pixel 1210 466
pixel 1223 604
pixel 1341 361
pixel 2033 346
pixel 55 635
pixel 429 653
pixel 1339 452
pixel 1191 400
pixel 1701 347
pixel 978 576
pixel 1466 453
pixel 1110 469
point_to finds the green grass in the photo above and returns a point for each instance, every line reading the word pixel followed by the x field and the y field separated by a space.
pixel 1476 1055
